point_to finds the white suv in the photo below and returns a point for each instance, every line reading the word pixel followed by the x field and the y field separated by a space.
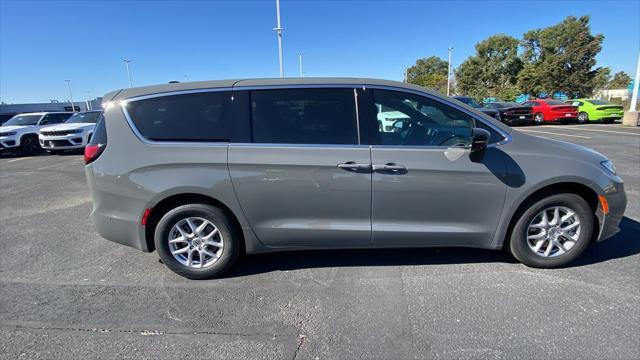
pixel 73 134
pixel 21 131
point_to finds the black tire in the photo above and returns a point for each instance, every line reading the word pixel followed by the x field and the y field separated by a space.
pixel 538 119
pixel 29 145
pixel 231 241
pixel 583 117
pixel 519 247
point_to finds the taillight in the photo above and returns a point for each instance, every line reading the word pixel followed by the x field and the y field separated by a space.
pixel 92 152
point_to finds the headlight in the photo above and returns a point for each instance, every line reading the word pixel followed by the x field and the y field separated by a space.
pixel 78 131
pixel 11 133
pixel 608 164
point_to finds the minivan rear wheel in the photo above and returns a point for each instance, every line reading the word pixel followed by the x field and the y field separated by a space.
pixel 196 241
pixel 553 231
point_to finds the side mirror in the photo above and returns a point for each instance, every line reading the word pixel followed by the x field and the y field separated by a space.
pixel 479 139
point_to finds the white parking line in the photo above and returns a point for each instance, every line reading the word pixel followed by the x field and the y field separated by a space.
pixel 550 133
pixel 16 159
pixel 604 131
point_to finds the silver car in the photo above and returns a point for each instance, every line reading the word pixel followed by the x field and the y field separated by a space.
pixel 205 171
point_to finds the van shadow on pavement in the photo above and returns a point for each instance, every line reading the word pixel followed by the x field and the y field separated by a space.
pixel 623 244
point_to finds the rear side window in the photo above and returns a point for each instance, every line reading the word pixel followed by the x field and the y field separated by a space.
pixel 185 117
pixel 304 116
pixel 99 135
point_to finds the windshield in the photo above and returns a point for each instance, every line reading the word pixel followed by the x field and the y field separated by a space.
pixel 470 102
pixel 599 102
pixel 87 118
pixel 23 120
pixel 555 102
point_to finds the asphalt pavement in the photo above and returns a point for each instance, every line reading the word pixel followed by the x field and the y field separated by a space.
pixel 65 293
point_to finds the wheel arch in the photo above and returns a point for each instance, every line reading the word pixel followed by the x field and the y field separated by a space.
pixel 28 134
pixel 584 191
pixel 175 200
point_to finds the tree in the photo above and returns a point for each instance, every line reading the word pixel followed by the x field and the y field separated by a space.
pixel 620 80
pixel 561 58
pixel 602 79
pixel 493 70
pixel 430 73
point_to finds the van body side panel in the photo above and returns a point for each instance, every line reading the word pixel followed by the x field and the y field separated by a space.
pixel 132 175
pixel 297 196
pixel 444 199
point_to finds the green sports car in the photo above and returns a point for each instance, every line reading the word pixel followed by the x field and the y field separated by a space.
pixel 597 110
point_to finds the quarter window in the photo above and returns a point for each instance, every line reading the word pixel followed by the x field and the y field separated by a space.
pixel 185 117
pixel 412 120
pixel 304 116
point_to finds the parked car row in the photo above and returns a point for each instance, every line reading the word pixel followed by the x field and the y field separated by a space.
pixel 52 131
pixel 540 111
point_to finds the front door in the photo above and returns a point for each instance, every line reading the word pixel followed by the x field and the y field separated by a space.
pixel 425 189
pixel 305 179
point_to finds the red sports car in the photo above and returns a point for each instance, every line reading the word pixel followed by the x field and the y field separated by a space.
pixel 552 110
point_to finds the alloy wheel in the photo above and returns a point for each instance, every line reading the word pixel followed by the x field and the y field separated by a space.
pixel 195 242
pixel 583 117
pixel 539 118
pixel 553 231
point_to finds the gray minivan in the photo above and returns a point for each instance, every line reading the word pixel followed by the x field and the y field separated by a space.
pixel 205 171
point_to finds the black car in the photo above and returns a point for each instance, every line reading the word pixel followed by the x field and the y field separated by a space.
pixel 512 113
pixel 474 104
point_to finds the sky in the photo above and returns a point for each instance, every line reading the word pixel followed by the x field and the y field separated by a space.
pixel 43 43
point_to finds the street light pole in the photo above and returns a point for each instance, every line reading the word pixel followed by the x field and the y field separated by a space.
pixel 89 107
pixel 278 29
pixel 73 107
pixel 126 64
pixel 631 117
pixel 449 71
pixel 300 62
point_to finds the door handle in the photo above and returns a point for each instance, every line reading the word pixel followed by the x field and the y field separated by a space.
pixel 353 166
pixel 390 168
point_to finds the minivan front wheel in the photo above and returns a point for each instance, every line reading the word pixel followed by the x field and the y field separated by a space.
pixel 553 231
pixel 196 241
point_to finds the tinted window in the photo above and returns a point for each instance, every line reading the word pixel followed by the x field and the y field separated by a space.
pixel 100 133
pixel 187 117
pixel 599 102
pixel 407 119
pixel 304 116
pixel 85 117
pixel 54 119
pixel 469 101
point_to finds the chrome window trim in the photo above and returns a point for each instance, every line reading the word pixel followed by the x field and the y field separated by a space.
pixel 138 134
pixel 123 103
pixel 355 101
pixel 299 86
pixel 289 146
pixel 172 93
